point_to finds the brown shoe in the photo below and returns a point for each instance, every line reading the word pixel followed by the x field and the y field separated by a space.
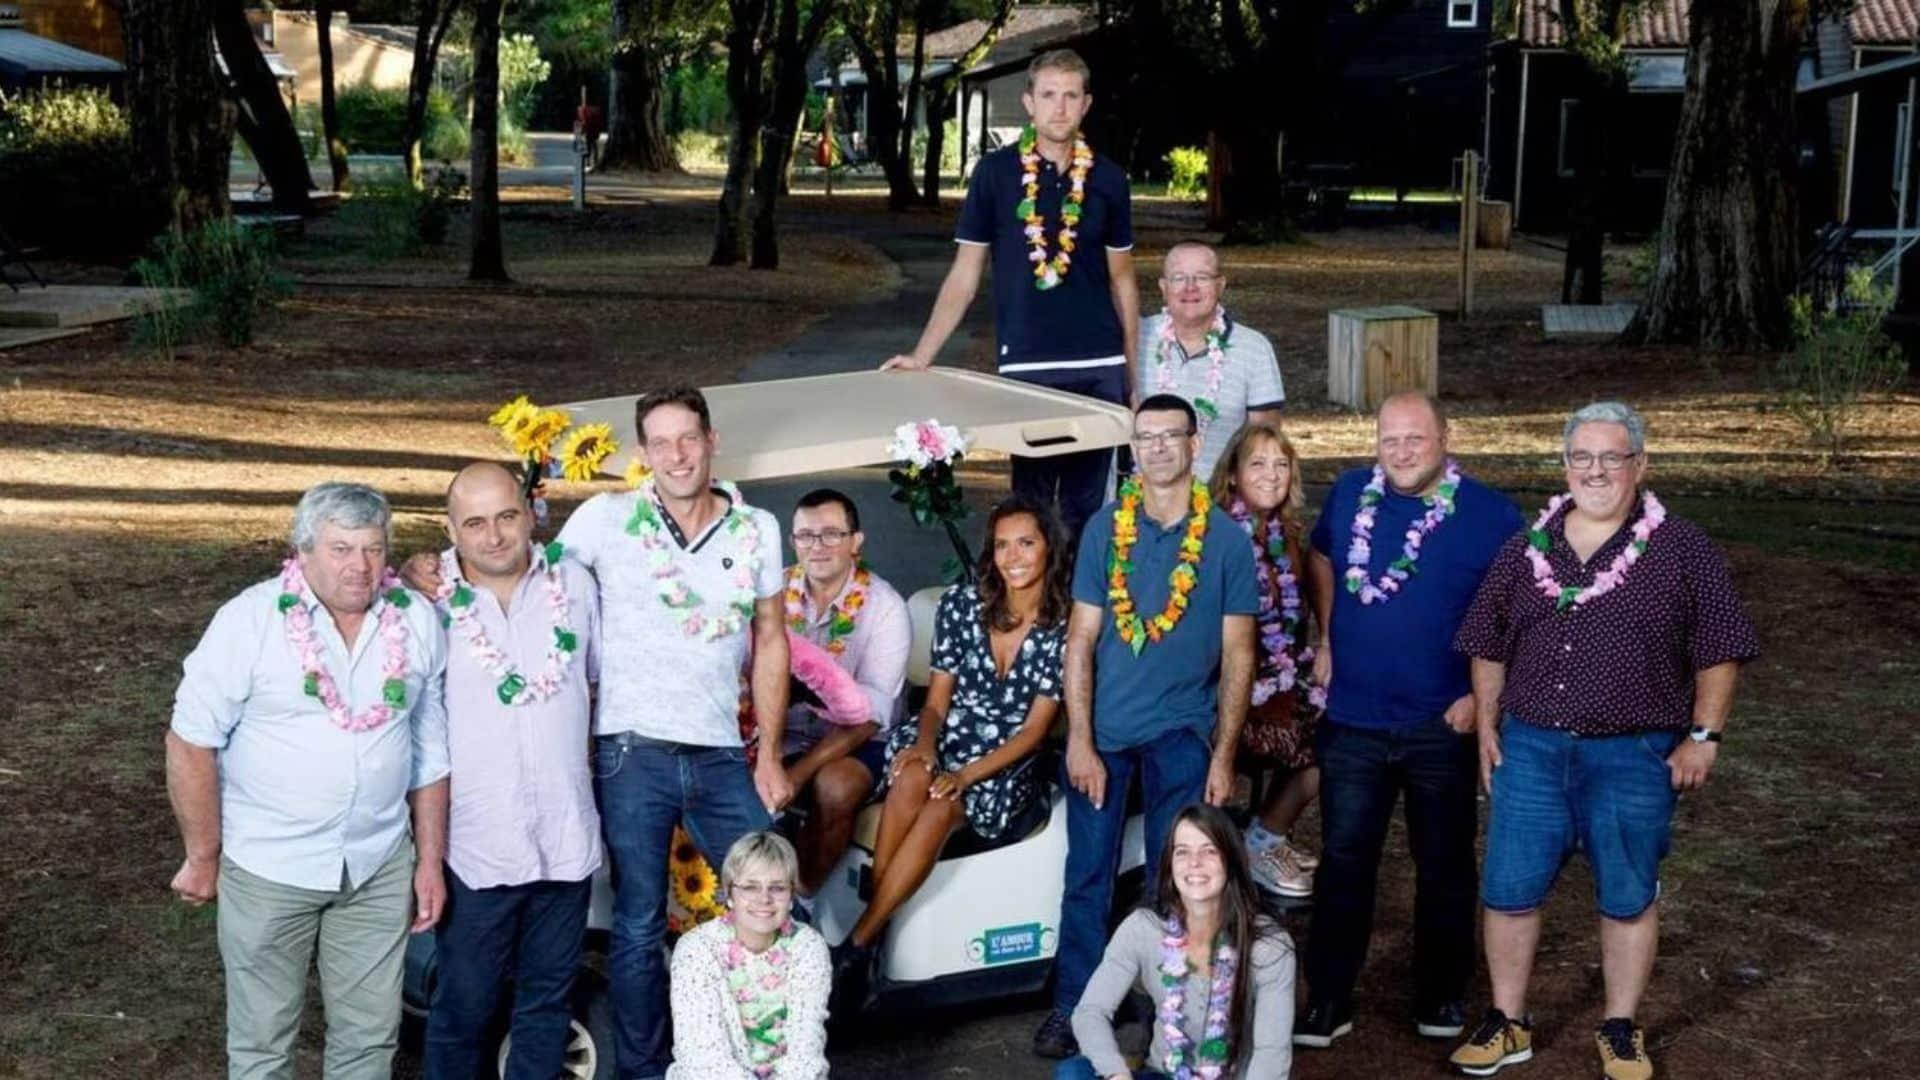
pixel 1496 1043
pixel 1623 1050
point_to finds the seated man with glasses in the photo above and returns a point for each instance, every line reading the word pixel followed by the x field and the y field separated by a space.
pixel 838 604
pixel 1194 349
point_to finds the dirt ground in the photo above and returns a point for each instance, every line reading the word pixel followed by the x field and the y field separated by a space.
pixel 137 493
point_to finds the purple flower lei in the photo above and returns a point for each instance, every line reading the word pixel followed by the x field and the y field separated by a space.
pixel 1360 552
pixel 1210 1059
pixel 1279 623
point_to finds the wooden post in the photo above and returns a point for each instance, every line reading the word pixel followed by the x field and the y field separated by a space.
pixel 1469 227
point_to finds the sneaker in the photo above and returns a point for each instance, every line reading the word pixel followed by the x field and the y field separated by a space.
pixel 1055 1037
pixel 1321 1024
pixel 1301 856
pixel 852 967
pixel 1495 1044
pixel 1442 1021
pixel 1276 871
pixel 1623 1050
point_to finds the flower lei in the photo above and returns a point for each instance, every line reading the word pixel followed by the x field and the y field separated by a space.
pixel 1279 623
pixel 1185 1061
pixel 1360 552
pixel 318 682
pixel 1048 273
pixel 1133 630
pixel 695 621
pixel 1652 513
pixel 844 611
pixel 1205 408
pixel 513 688
pixel 759 996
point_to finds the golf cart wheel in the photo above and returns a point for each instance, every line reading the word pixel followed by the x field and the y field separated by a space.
pixel 589 1054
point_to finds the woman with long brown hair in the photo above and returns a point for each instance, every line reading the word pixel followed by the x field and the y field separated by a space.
pixel 995 689
pixel 1257 482
pixel 1220 971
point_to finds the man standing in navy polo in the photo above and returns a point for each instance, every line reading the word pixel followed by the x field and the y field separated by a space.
pixel 1057 221
pixel 1159 671
pixel 1400 548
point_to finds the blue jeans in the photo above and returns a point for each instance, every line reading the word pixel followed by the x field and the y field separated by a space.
pixel 531 933
pixel 645 788
pixel 1173 774
pixel 1079 1068
pixel 1362 772
pixel 1555 793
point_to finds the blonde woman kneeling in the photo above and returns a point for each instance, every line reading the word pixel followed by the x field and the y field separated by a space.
pixel 750 988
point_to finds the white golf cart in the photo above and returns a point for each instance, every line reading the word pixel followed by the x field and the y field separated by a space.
pixel 985 923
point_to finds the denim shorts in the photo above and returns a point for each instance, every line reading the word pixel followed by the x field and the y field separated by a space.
pixel 1555 793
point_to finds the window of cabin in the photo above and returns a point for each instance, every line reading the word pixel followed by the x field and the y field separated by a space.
pixel 1463 14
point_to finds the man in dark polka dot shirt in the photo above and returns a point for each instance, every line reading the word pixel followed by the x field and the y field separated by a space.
pixel 1606 641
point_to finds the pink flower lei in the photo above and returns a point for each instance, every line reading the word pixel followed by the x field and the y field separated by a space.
pixel 513 688
pixel 1360 551
pixel 1539 542
pixel 1208 1060
pixel 696 620
pixel 757 982
pixel 1279 623
pixel 317 681
pixel 1168 355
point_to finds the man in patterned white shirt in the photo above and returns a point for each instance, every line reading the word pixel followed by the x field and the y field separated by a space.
pixel 1227 371
pixel 308 722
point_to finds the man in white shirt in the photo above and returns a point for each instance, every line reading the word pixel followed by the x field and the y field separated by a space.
pixel 1226 370
pixel 852 613
pixel 308 721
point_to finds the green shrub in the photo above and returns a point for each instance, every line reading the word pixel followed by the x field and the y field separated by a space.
pixel 1840 356
pixel 230 270
pixel 67 177
pixel 446 134
pixel 390 218
pixel 700 150
pixel 372 120
pixel 1187 173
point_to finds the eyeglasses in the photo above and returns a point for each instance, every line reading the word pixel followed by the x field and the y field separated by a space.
pixel 1147 440
pixel 755 890
pixel 1181 281
pixel 824 538
pixel 1612 460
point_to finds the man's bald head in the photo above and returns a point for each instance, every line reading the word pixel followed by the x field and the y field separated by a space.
pixel 489 521
pixel 1411 440
pixel 1415 399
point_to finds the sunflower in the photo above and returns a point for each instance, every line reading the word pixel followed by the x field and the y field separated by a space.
pixel 511 409
pixel 540 431
pixel 587 446
pixel 637 472
pixel 695 887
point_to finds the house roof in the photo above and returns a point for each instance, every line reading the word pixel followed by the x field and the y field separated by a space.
pixel 1031 29
pixel 1662 24
pixel 22 53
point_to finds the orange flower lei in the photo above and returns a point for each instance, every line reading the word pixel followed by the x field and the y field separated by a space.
pixel 845 611
pixel 1134 630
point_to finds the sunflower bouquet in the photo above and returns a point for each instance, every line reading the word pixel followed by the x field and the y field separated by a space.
pixel 548 443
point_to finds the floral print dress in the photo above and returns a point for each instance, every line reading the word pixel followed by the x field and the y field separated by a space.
pixel 987 710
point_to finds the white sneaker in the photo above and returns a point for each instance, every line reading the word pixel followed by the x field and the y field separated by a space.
pixel 1277 872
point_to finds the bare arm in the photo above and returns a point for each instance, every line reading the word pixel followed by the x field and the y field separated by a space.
pixel 1236 691
pixel 1712 702
pixel 1126 304
pixel 429 806
pixel 956 295
pixel 1320 591
pixel 1084 768
pixel 1489 678
pixel 933 716
pixel 1033 731
pixel 193 787
pixel 1264 416
pixel 769 689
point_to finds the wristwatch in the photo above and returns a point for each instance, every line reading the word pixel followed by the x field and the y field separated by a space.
pixel 1703 734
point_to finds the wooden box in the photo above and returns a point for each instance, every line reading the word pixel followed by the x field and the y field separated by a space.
pixel 1375 352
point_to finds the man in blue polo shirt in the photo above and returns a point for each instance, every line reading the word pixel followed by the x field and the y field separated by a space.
pixel 1153 689
pixel 1399 549
pixel 1057 222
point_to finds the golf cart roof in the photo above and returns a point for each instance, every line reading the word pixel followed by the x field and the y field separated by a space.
pixel 787 427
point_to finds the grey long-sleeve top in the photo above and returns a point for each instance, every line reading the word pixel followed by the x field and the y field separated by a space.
pixel 1265 1052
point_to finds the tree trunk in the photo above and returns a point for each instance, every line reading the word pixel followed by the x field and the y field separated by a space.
pixel 791 47
pixel 488 260
pixel 940 98
pixel 636 126
pixel 1728 232
pixel 262 118
pixel 432 18
pixel 182 124
pixel 746 72
pixel 876 45
pixel 329 114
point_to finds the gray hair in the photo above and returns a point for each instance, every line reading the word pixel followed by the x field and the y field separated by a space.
pixel 1607 412
pixel 350 506
pixel 764 848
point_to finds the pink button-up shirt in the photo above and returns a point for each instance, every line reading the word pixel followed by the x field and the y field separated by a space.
pixel 875 654
pixel 522 791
